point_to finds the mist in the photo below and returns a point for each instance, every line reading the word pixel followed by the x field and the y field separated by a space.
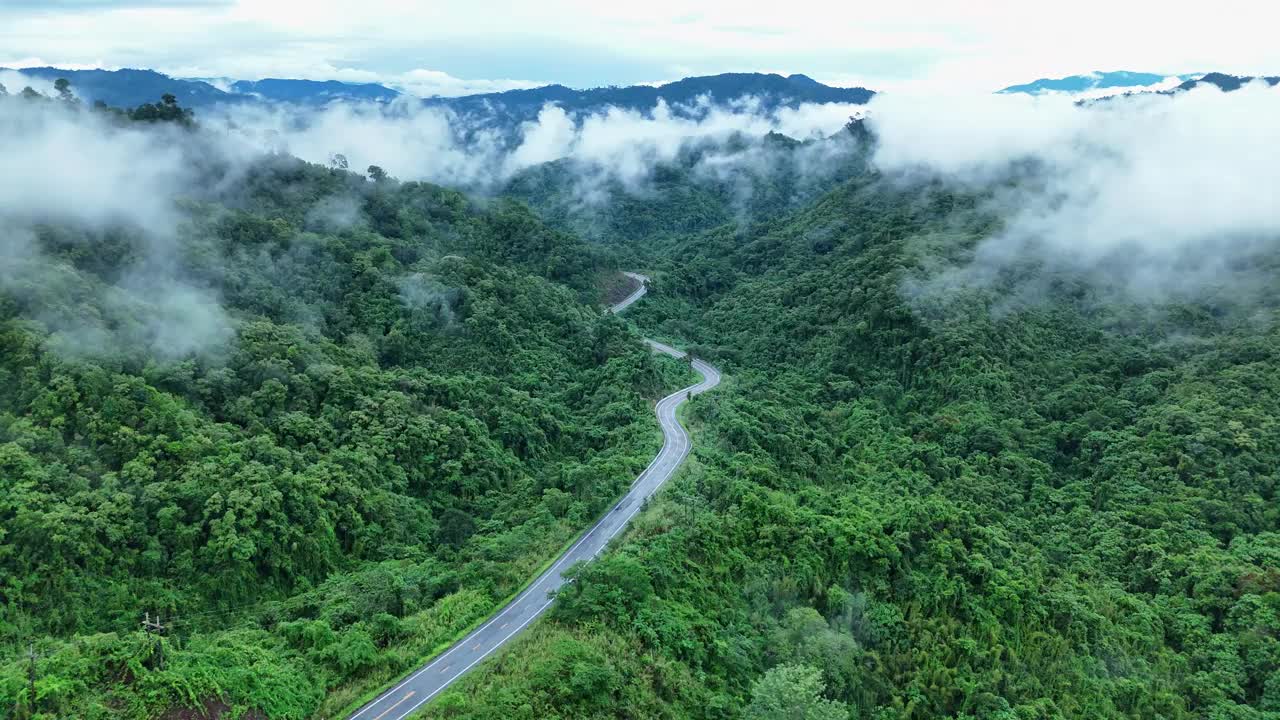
pixel 1158 196
pixel 86 178
pixel 76 180
pixel 14 82
pixel 412 141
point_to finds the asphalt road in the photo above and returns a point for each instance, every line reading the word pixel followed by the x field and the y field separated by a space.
pixel 424 684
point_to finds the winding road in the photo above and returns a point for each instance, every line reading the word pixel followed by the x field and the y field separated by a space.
pixel 424 684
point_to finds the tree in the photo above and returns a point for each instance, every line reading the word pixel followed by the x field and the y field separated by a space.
pixel 63 86
pixel 792 692
pixel 377 174
pixel 168 110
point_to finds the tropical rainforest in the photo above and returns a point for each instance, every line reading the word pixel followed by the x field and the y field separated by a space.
pixel 1035 497
pixel 931 504
pixel 406 416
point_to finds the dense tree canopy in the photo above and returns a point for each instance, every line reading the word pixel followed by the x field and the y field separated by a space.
pixel 399 405
pixel 916 502
pixel 1031 497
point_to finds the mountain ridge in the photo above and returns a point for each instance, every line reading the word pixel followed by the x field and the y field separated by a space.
pixel 1226 82
pixel 1096 80
pixel 130 87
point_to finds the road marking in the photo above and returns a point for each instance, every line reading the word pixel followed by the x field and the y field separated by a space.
pixel 482 657
pixel 393 707
pixel 664 463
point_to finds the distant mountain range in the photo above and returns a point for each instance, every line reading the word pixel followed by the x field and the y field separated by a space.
pixel 313 92
pixel 1226 82
pixel 1121 80
pixel 130 88
pixel 771 90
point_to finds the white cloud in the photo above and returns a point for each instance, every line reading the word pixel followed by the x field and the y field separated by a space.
pixel 981 46
pixel 548 138
pixel 1152 191
pixel 428 83
pixel 77 165
pixel 88 175
pixel 413 142
pixel 406 139
pixel 14 82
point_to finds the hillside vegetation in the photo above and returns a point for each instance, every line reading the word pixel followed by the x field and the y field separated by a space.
pixel 321 424
pixel 318 427
pixel 920 502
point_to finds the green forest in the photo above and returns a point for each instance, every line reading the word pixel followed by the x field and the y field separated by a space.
pixel 408 415
pixel 905 502
pixel 928 506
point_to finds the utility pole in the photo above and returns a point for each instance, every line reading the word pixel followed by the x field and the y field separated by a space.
pixel 157 628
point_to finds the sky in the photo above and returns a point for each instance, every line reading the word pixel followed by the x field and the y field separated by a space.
pixel 450 48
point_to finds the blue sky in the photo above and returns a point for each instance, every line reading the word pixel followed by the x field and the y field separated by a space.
pixel 455 47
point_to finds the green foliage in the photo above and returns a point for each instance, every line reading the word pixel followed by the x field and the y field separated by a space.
pixel 167 110
pixel 1031 498
pixel 967 502
pixel 792 692
pixel 416 403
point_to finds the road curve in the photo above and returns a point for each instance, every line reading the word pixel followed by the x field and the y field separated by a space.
pixel 424 684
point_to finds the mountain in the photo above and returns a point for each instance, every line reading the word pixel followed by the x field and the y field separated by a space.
pixel 445 390
pixel 910 497
pixel 313 92
pixel 772 91
pixel 130 88
pixel 1076 84
pixel 1226 82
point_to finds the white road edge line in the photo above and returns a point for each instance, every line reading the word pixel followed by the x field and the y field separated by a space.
pixel 711 377
pixel 486 654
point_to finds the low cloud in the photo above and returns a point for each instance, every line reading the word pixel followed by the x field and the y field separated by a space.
pixel 410 141
pixel 14 82
pixel 81 183
pixel 1156 195
pixel 64 163
pixel 86 185
pixel 628 144
pixel 432 83
pixel 415 142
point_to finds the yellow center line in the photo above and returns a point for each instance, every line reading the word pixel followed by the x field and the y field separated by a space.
pixel 443 669
pixel 393 707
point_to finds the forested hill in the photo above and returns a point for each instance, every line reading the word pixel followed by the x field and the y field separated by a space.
pixel 316 424
pixel 739 180
pixel 129 87
pixel 1035 497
